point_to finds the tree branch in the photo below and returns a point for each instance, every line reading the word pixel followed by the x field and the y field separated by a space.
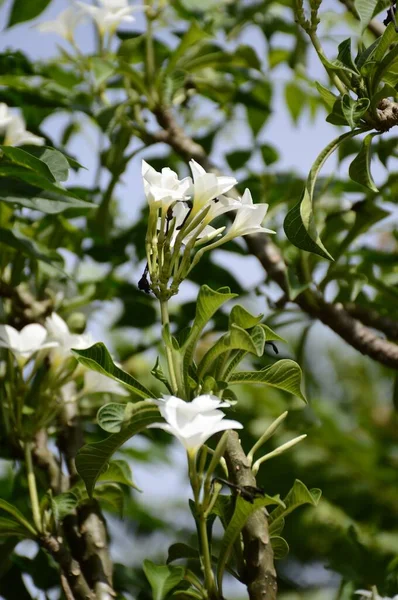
pixel 260 575
pixel 372 318
pixel 374 25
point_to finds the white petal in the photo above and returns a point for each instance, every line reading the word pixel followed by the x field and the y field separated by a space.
pixel 32 337
pixel 197 169
pixel 56 326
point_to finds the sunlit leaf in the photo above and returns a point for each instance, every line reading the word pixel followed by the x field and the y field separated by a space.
pixel 162 578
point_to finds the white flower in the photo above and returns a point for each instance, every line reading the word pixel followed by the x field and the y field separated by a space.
pixel 64 24
pixel 192 423
pixel 59 332
pixel 222 205
pixel 374 595
pixel 164 188
pixel 207 186
pixel 97 383
pixel 109 14
pixel 248 218
pixel 5 116
pixel 26 342
pixel 17 134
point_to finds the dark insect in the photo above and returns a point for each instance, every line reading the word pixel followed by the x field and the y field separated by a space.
pixel 248 492
pixel 390 18
pixel 143 283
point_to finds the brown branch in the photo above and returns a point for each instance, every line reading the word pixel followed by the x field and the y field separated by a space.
pixel 372 318
pixel 26 308
pixel 260 574
pixel 69 566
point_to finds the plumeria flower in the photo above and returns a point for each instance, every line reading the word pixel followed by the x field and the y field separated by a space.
pixel 109 14
pixel 26 342
pixel 374 595
pixel 64 24
pixel 95 383
pixel 193 423
pixel 162 189
pixel 207 186
pixel 59 331
pixel 17 134
pixel 5 116
pixel 249 218
pixel 220 206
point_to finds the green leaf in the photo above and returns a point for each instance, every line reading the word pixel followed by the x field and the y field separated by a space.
pixel 269 154
pixel 285 375
pixel 298 495
pixel 15 239
pixel 55 160
pixel 111 494
pixel 111 416
pixel 180 550
pixel 162 578
pixel 97 358
pixel 365 10
pixel 327 96
pixel 92 459
pixel 353 110
pixel 18 516
pixel 238 158
pixel 208 302
pixel 191 38
pixel 280 547
pixel 236 339
pixel 11 528
pixel 158 373
pixel 295 99
pixel 385 69
pixel 48 205
pixel 27 160
pixel 118 471
pixel 299 223
pixel 63 505
pixel 102 69
pixel 270 335
pixel 359 170
pixel 344 56
pixel 243 509
pixel 241 317
pixel 25 11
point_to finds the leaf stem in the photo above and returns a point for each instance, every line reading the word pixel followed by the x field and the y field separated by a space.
pixel 164 311
pixel 34 498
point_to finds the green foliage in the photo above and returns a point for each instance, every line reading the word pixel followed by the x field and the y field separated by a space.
pixel 162 579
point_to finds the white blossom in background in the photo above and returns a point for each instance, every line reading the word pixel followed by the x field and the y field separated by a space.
pixel 97 383
pixel 64 24
pixel 374 595
pixel 207 186
pixel 193 423
pixel 162 189
pixel 25 343
pixel 58 331
pixel 249 218
pixel 5 116
pixel 110 14
pixel 17 134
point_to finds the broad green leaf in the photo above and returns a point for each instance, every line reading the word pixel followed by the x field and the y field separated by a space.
pixel 243 509
pixel 269 154
pixel 365 10
pixel 280 547
pixel 299 223
pixel 389 37
pixel 47 205
pixel 112 495
pixel 180 550
pixel 25 11
pixel 208 302
pixel 238 158
pixel 102 70
pixel 343 62
pixel 97 358
pixel 191 38
pixel 270 335
pixel 298 495
pixel 295 99
pixel 18 516
pixel 11 528
pixel 55 160
pixel 236 339
pixel 359 170
pixel 27 160
pixel 241 317
pixel 111 416
pixel 353 110
pixel 15 239
pixel 118 471
pixel 63 505
pixel 285 375
pixel 385 67
pixel 92 459
pixel 16 172
pixel 327 96
pixel 162 578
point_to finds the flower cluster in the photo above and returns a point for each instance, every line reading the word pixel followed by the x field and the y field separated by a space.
pixel 180 217
pixel 107 17
pixel 13 128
